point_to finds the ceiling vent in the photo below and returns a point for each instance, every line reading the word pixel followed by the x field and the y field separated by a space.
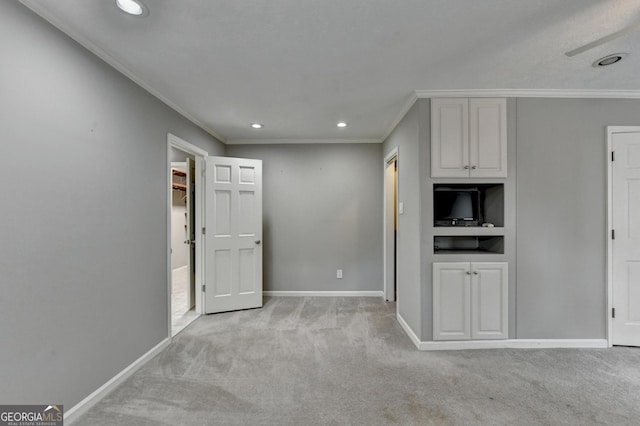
pixel 609 60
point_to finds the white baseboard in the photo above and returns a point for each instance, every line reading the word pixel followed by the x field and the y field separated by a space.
pixel 83 406
pixel 500 344
pixel 325 293
pixel 513 344
pixel 409 331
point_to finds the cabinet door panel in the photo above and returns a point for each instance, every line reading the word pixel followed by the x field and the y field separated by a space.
pixel 451 301
pixel 488 137
pixel 450 137
pixel 489 309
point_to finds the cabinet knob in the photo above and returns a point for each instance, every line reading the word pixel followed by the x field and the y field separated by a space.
pixel 475 272
pixel 474 167
pixel 468 273
pixel 466 167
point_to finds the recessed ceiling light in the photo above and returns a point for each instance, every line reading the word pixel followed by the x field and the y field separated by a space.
pixel 342 124
pixel 609 60
pixel 132 7
pixel 257 125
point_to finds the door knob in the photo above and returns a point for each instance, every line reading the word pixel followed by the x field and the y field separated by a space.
pixel 257 241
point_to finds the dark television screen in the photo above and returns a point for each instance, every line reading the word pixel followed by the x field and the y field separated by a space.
pixel 461 205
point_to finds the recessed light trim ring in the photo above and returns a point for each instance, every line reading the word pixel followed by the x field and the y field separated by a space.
pixel 609 60
pixel 133 7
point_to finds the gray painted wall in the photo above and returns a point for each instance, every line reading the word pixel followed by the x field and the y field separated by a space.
pixel 179 156
pixel 409 266
pixel 84 250
pixel 322 211
pixel 561 207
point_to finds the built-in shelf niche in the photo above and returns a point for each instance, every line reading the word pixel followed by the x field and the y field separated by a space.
pixel 468 205
pixel 468 244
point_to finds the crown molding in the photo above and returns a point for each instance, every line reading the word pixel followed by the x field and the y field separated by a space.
pixel 528 93
pixel 288 141
pixel 405 109
pixel 91 47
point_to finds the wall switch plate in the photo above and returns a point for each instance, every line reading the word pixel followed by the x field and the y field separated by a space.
pixel 339 274
pixel 400 207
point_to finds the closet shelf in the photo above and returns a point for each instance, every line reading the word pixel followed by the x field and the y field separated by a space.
pixel 178 172
pixel 179 186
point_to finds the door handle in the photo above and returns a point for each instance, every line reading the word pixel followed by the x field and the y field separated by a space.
pixel 257 241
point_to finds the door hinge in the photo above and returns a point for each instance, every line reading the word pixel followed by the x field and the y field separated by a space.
pixel 613 312
pixel 613 156
pixel 204 230
pixel 204 288
pixel 613 234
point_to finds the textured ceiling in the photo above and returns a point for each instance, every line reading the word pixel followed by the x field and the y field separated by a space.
pixel 299 66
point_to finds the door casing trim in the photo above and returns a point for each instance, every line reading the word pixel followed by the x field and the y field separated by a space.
pixel 200 155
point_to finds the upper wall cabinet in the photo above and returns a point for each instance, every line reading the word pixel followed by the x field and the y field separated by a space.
pixel 469 137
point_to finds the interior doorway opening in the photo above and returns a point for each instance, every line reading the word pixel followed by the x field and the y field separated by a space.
pixel 185 243
pixel 182 241
pixel 390 225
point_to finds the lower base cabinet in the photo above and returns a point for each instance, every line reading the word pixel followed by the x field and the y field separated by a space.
pixel 470 300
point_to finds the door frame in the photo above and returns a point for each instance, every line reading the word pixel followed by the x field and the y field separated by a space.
pixel 611 130
pixel 387 290
pixel 175 142
pixel 173 165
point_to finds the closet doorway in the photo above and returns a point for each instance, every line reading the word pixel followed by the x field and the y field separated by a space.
pixel 182 243
pixel 185 243
pixel 390 224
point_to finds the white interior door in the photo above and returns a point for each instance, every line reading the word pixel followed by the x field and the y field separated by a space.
pixel 626 245
pixel 191 231
pixel 233 260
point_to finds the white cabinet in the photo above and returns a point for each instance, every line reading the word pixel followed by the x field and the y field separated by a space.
pixel 470 300
pixel 469 137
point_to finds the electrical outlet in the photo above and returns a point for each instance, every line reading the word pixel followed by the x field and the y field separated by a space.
pixel 339 274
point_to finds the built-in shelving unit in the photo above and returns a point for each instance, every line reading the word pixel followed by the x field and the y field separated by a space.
pixel 468 218
pixel 468 244
pixel 178 180
pixel 471 226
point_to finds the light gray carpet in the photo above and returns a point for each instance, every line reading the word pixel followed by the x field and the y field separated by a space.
pixel 339 361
